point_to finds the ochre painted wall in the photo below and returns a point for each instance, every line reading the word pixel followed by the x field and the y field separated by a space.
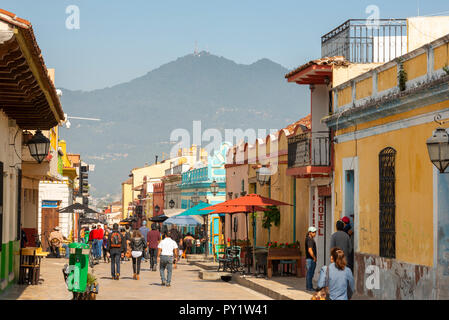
pixel 416 67
pixel 441 57
pixel 127 196
pixel 387 79
pixel 344 96
pixel 364 88
pixel 414 192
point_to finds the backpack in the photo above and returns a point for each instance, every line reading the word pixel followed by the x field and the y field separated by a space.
pixel 116 240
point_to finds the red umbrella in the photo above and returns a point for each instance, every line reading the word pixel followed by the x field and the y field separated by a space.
pixel 249 200
pixel 235 209
pixel 252 201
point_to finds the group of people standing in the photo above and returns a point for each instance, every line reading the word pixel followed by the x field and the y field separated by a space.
pixel 338 276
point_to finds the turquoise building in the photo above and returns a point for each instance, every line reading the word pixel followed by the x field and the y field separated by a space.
pixel 195 187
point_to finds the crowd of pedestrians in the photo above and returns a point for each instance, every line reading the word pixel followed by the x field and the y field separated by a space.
pixel 121 244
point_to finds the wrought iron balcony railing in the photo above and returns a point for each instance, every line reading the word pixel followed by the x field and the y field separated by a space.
pixel 309 149
pixel 367 40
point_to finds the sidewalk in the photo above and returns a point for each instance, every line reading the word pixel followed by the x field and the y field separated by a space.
pixel 278 288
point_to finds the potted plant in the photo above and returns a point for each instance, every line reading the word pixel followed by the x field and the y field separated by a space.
pixel 284 249
pixel 271 217
pixel 91 289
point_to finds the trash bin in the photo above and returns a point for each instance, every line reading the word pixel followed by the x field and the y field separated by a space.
pixel 78 267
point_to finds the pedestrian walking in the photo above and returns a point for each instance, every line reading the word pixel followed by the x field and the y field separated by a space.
pixel 99 236
pixel 153 239
pixel 138 245
pixel 144 231
pixel 341 239
pixel 176 237
pixel 337 277
pixel 310 258
pixel 117 249
pixel 106 256
pixel 188 243
pixel 167 253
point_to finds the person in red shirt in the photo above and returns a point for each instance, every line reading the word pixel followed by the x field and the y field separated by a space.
pixel 94 240
pixel 99 236
pixel 153 239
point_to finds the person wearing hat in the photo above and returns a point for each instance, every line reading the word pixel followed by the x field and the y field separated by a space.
pixel 57 238
pixel 348 229
pixel 310 258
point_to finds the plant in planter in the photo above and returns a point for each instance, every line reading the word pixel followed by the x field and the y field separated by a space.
pixel 91 289
pixel 271 217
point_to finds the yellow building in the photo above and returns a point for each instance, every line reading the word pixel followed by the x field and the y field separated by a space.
pixel 243 161
pixel 127 198
pixel 384 177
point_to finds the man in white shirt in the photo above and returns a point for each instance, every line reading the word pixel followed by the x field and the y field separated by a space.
pixel 167 252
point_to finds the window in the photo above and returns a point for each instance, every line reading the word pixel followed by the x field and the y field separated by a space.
pixel 387 203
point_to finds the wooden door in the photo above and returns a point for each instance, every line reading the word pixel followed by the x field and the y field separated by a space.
pixel 50 220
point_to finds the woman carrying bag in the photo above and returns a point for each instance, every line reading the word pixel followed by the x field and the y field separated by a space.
pixel 336 280
pixel 138 245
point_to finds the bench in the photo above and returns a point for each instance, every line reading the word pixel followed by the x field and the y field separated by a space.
pixel 283 254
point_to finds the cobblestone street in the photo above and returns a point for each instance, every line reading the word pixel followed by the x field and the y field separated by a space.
pixel 185 285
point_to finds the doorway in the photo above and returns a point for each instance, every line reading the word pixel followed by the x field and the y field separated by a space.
pixel 50 220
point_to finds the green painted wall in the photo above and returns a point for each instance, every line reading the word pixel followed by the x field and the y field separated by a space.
pixel 9 262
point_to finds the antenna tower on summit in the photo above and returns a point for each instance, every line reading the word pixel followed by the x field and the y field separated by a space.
pixel 196 53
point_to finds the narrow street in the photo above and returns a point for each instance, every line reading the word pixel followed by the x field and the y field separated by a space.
pixel 186 285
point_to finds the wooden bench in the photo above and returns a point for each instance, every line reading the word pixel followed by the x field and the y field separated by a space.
pixel 283 254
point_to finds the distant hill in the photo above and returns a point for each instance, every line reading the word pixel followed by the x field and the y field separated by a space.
pixel 138 116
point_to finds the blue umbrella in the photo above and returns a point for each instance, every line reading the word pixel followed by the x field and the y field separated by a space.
pixel 181 221
pixel 196 210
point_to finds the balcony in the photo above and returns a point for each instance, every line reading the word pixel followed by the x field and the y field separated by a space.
pixel 366 41
pixel 196 175
pixel 309 154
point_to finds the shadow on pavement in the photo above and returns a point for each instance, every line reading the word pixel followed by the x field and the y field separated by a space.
pixel 14 292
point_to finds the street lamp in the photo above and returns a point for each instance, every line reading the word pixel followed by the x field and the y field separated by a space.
pixel 438 147
pixel 39 145
pixel 171 204
pixel 214 187
pixel 263 175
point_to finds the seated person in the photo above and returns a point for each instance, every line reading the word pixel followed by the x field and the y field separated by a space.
pixel 56 241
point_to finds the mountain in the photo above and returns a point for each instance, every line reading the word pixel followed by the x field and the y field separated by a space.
pixel 137 117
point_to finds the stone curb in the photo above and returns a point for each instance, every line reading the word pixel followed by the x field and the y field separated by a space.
pixel 243 281
pixel 258 288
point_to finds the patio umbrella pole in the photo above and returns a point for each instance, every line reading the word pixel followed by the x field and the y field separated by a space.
pixel 254 244
pixel 247 237
pixel 207 235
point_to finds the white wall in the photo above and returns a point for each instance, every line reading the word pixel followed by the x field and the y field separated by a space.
pixel 11 162
pixel 57 191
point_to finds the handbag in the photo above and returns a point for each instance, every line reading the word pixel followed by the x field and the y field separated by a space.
pixel 136 254
pixel 323 294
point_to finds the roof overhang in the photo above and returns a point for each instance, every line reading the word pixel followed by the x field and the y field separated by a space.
pixel 314 74
pixel 27 94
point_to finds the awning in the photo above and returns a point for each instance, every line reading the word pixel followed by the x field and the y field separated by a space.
pixel 182 221
pixel 173 212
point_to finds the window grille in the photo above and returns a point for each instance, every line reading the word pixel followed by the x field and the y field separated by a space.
pixel 387 203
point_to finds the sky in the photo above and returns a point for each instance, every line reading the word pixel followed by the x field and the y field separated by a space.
pixel 118 41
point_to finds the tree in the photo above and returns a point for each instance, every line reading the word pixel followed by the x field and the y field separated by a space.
pixel 271 217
